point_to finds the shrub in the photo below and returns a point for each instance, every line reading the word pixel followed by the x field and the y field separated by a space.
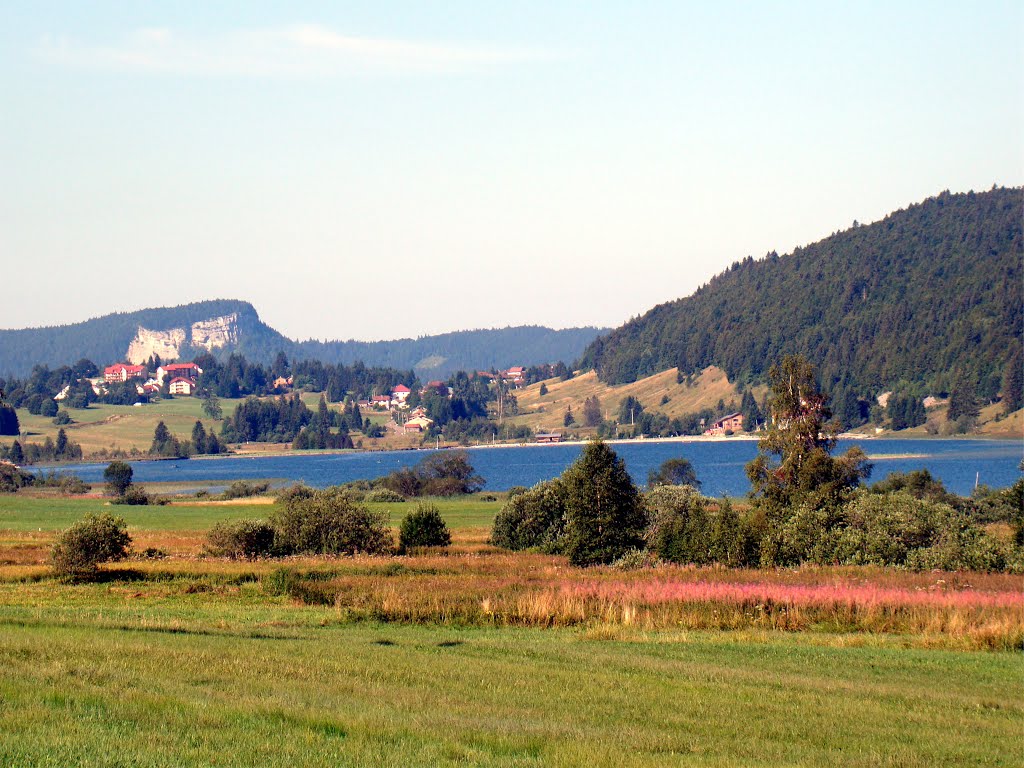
pixel 384 495
pixel 533 518
pixel 329 522
pixel 80 549
pixel 118 477
pixel 241 539
pixel 62 418
pixel 134 496
pixel 679 529
pixel 243 489
pixel 423 527
pixel 12 478
pixel 66 482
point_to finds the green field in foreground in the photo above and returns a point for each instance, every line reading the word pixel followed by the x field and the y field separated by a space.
pixel 187 661
pixel 79 689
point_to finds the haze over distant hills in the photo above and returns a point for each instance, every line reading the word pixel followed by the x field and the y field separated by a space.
pixel 222 326
pixel 926 293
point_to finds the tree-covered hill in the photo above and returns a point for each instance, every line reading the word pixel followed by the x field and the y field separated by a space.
pixel 107 339
pixel 925 293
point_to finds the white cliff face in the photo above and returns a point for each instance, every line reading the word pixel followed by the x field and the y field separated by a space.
pixel 216 332
pixel 167 344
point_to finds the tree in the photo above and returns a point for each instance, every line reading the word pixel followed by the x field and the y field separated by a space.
pixel 677 471
pixel 568 420
pixel 199 439
pixel 118 477
pixel 211 406
pixel 630 410
pixel 94 540
pixel 9 420
pixel 1013 383
pixel 751 413
pixel 963 401
pixel 604 514
pixel 61 446
pixel 48 408
pixel 802 438
pixel 592 411
pixel 17 454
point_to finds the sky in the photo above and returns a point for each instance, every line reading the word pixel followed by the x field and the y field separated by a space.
pixel 384 170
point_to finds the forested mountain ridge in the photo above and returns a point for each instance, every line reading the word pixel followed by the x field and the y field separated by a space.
pixel 929 291
pixel 224 326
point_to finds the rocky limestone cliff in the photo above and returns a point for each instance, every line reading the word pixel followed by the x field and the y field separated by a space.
pixel 215 332
pixel 167 344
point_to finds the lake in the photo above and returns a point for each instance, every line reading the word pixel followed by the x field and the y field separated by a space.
pixel 719 464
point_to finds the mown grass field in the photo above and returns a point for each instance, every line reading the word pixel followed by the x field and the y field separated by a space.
pixel 481 657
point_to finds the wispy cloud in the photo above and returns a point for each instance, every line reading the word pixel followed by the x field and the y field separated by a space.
pixel 298 50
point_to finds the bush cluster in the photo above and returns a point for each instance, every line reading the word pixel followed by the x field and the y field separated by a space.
pixel 328 522
pixel 907 522
pixel 446 473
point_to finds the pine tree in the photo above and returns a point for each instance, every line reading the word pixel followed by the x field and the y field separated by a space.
pixel 569 419
pixel 199 439
pixel 603 510
pixel 1013 383
pixel 963 401
pixel 592 411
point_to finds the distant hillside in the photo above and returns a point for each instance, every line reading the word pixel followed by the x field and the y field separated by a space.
pixel 225 326
pixel 927 291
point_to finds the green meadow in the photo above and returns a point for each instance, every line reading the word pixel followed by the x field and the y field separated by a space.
pixel 195 661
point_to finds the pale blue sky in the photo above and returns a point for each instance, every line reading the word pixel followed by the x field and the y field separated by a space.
pixel 379 170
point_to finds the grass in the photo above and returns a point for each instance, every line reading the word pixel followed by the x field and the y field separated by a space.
pixel 284 690
pixel 481 657
pixel 103 427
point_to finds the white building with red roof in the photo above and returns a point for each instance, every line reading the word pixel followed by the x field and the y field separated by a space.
pixel 185 370
pixel 123 372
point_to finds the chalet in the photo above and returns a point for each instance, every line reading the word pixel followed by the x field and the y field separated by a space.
pixel 184 370
pixel 549 437
pixel 436 386
pixel 418 412
pixel 731 423
pixel 283 382
pixel 363 404
pixel 150 388
pixel 182 386
pixel 382 402
pixel 400 393
pixel 123 372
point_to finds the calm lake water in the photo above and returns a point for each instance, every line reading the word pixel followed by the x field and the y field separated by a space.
pixel 719 464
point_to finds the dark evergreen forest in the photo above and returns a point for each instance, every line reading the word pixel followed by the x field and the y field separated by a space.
pixel 909 302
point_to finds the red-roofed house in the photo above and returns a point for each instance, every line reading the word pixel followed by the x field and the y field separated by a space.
pixel 381 401
pixel 400 393
pixel 731 423
pixel 185 370
pixel 181 386
pixel 123 372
